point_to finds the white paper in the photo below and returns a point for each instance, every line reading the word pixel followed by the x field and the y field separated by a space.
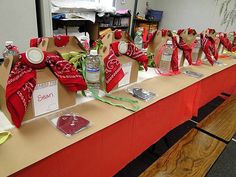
pixel 45 98
pixel 127 70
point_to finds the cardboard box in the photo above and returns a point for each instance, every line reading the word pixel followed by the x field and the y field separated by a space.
pixel 47 88
pixel 157 42
pixel 129 65
pixel 48 45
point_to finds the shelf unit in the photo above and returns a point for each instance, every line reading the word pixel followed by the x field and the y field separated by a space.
pixel 144 22
pixel 109 20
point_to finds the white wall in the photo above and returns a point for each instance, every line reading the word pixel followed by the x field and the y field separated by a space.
pixel 198 14
pixel 129 4
pixel 46 17
pixel 17 22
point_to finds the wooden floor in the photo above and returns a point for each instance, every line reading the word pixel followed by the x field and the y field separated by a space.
pixel 192 156
pixel 222 121
pixel 195 153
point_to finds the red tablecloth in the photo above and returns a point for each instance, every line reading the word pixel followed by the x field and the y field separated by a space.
pixel 106 152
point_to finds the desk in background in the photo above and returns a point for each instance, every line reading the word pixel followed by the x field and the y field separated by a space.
pixel 73 22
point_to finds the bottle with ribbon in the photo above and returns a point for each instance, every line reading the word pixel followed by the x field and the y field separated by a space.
pixel 10 50
pixel 138 40
pixel 166 53
pixel 165 61
pixel 92 74
pixel 196 60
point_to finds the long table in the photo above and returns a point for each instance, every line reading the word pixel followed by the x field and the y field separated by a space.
pixel 116 136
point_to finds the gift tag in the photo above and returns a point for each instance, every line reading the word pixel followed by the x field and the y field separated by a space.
pixel 123 47
pixel 34 55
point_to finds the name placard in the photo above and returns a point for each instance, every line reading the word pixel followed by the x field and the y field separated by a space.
pixel 45 97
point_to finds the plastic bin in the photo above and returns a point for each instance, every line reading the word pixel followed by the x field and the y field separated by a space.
pixel 154 15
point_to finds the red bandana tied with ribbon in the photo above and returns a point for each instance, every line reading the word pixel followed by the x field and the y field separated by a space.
pixel 164 32
pixel 174 58
pixel 209 48
pixel 113 71
pixel 13 48
pixel 34 42
pixel 22 81
pixel 225 41
pixel 118 34
pixel 187 49
pixel 149 39
pixel 233 49
pixel 61 41
pixel 132 52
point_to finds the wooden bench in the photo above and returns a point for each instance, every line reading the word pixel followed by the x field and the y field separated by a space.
pixel 196 152
pixel 192 155
pixel 222 121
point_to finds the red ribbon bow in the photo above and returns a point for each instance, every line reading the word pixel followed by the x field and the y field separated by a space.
pixel 224 40
pixel 22 81
pixel 149 39
pixel 192 31
pixel 233 48
pixel 187 49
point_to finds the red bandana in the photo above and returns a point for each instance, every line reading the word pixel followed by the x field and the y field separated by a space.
pixel 13 48
pixel 233 49
pixel 209 48
pixel 69 124
pixel 113 71
pixel 132 52
pixel 225 41
pixel 187 49
pixel 166 32
pixel 192 31
pixel 34 42
pixel 61 41
pixel 118 34
pixel 174 58
pixel 22 81
pixel 149 39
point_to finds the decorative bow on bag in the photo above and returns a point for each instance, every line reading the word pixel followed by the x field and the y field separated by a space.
pixel 59 41
pixel 224 40
pixel 186 48
pixel 174 66
pixel 22 81
pixel 233 48
pixel 208 46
